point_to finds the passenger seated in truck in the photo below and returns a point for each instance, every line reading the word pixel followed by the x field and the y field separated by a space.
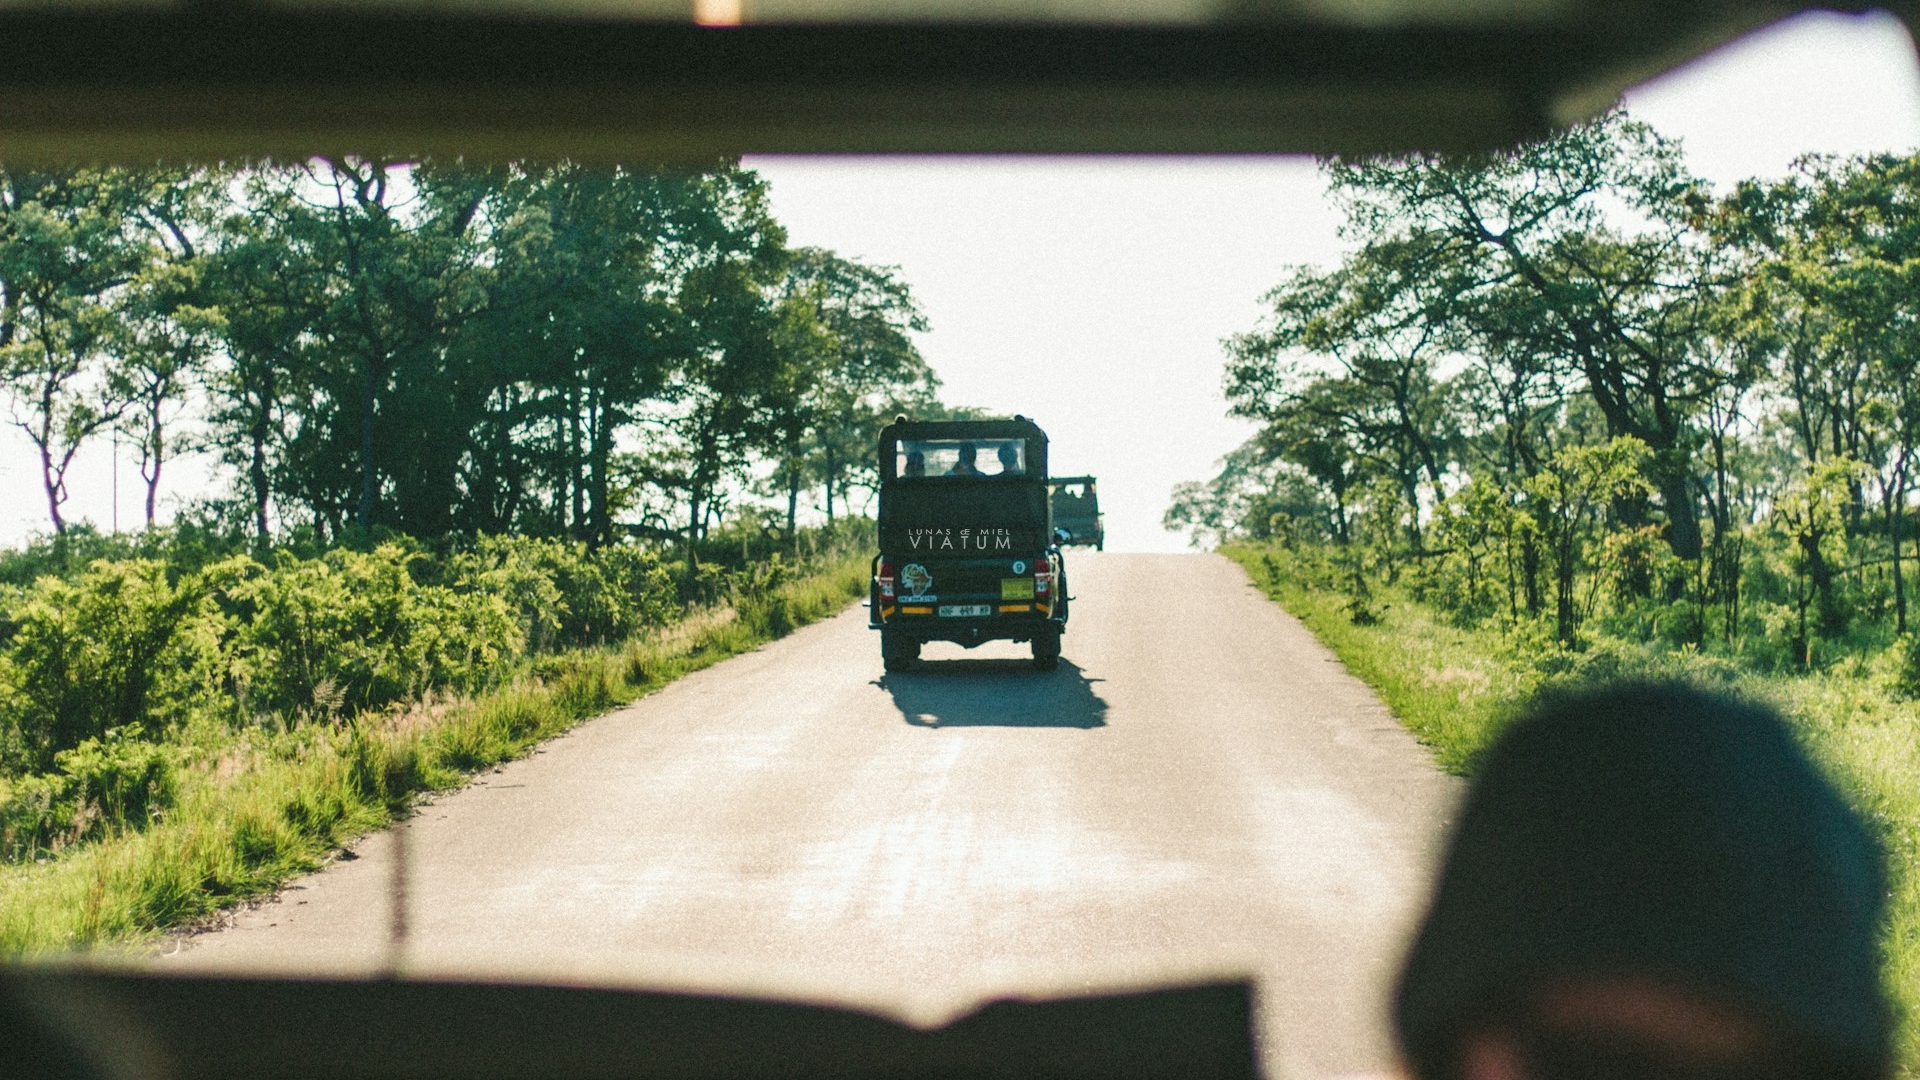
pixel 965 466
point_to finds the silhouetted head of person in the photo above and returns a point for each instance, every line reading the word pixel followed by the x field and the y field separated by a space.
pixel 1650 881
pixel 965 463
pixel 1009 459
pixel 916 463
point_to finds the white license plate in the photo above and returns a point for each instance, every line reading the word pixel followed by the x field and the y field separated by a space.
pixel 964 611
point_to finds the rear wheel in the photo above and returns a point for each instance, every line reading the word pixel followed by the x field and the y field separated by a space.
pixel 1046 650
pixel 898 651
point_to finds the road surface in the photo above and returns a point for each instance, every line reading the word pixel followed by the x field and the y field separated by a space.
pixel 1200 789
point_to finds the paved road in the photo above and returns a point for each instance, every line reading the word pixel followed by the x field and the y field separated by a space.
pixel 1199 789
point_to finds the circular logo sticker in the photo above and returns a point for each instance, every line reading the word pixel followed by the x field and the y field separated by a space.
pixel 915 579
pixel 1019 568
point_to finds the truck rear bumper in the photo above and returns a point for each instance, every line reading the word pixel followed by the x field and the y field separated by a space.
pixel 971 631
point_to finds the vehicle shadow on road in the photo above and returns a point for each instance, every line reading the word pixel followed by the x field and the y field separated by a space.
pixel 995 693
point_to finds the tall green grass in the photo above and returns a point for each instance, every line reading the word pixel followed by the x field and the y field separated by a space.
pixel 1455 688
pixel 258 806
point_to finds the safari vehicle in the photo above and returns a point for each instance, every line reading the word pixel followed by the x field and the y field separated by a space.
pixel 968 551
pixel 1076 511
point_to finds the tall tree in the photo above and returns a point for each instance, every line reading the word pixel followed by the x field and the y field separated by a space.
pixel 587 303
pixel 379 439
pixel 268 288
pixel 172 325
pixel 1355 350
pixel 862 369
pixel 716 407
pixel 71 242
pixel 1585 248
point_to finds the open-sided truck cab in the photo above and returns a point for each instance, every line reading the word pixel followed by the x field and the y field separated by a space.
pixel 967 547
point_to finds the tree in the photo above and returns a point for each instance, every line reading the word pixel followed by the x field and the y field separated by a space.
pixel 1812 515
pixel 714 409
pixel 1567 500
pixel 395 276
pixel 1256 495
pixel 586 306
pixel 1834 301
pixel 1368 322
pixel 857 367
pixel 71 243
pixel 269 291
pixel 171 325
pixel 1585 248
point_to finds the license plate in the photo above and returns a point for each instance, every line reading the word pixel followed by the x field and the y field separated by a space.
pixel 964 611
pixel 1016 588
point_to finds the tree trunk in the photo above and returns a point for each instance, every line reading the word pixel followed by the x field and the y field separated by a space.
pixel 1410 487
pixel 1683 523
pixel 153 482
pixel 153 453
pixel 1563 612
pixel 1820 574
pixel 576 495
pixel 257 475
pixel 1896 504
pixel 259 432
pixel 833 474
pixel 55 495
pixel 1530 572
pixel 600 461
pixel 793 509
pixel 369 474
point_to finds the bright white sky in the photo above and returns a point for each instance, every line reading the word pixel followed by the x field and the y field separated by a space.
pixel 1092 293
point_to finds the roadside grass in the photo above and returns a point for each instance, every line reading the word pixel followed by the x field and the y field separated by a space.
pixel 1455 688
pixel 258 807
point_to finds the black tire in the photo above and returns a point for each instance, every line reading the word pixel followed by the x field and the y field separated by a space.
pixel 898 651
pixel 1046 650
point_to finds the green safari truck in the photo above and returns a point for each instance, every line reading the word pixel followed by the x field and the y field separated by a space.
pixel 968 550
pixel 1076 510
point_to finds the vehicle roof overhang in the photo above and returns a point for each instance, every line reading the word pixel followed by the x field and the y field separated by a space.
pixel 646 81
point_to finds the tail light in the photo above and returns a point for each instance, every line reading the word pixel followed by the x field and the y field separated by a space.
pixel 885 577
pixel 1042 577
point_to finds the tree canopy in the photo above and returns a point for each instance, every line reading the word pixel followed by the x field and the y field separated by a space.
pixel 429 348
pixel 1530 366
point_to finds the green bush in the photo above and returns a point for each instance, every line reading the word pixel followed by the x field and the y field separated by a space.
pixel 564 594
pixel 116 677
pixel 1456 687
pixel 352 630
pixel 184 547
pixel 99 788
pixel 116 647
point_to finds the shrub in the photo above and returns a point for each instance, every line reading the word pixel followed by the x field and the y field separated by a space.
pixel 103 786
pixel 563 594
pixel 114 648
pixel 352 631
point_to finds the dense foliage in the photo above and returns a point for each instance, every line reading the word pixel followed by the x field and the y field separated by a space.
pixel 432 348
pixel 108 672
pixel 1571 392
pixel 141 829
